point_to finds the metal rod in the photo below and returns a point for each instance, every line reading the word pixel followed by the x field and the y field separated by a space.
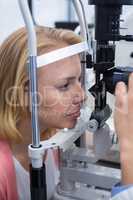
pixel 34 101
pixel 32 47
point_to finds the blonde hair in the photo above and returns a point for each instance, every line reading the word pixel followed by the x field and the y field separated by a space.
pixel 13 73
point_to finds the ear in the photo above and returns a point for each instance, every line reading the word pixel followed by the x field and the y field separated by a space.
pixel 26 86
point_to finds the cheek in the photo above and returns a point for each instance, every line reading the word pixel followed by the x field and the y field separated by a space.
pixel 48 97
pixel 63 103
pixel 53 109
pixel 51 103
pixel 66 99
pixel 54 103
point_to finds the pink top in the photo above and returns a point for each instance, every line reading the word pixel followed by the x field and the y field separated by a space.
pixel 8 188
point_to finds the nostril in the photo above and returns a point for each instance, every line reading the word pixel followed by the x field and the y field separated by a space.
pixel 77 99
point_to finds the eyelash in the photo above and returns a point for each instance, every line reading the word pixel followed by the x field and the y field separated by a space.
pixel 65 87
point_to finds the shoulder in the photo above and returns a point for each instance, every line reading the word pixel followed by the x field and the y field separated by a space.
pixel 5 154
pixel 7 172
pixel 5 157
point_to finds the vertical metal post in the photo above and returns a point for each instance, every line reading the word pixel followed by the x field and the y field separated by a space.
pixel 34 102
pixel 37 168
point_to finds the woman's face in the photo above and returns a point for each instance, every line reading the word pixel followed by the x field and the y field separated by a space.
pixel 60 93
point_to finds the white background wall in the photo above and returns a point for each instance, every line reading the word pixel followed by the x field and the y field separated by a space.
pixel 10 16
pixel 46 12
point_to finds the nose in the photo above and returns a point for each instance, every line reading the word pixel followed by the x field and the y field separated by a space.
pixel 79 95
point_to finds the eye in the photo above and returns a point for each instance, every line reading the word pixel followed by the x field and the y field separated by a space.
pixel 79 79
pixel 64 87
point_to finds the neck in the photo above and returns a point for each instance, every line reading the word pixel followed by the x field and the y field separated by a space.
pixel 20 151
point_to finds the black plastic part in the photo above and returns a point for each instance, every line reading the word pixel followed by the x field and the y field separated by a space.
pixel 110 2
pixel 66 25
pixel 89 61
pixel 112 77
pixel 128 38
pixel 107 22
pixel 107 19
pixel 101 115
pixel 38 183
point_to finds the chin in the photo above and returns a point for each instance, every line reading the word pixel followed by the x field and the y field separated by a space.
pixel 69 124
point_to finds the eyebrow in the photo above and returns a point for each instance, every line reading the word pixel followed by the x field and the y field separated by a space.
pixel 69 78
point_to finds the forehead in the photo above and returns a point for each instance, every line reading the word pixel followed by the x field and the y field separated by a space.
pixel 62 69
